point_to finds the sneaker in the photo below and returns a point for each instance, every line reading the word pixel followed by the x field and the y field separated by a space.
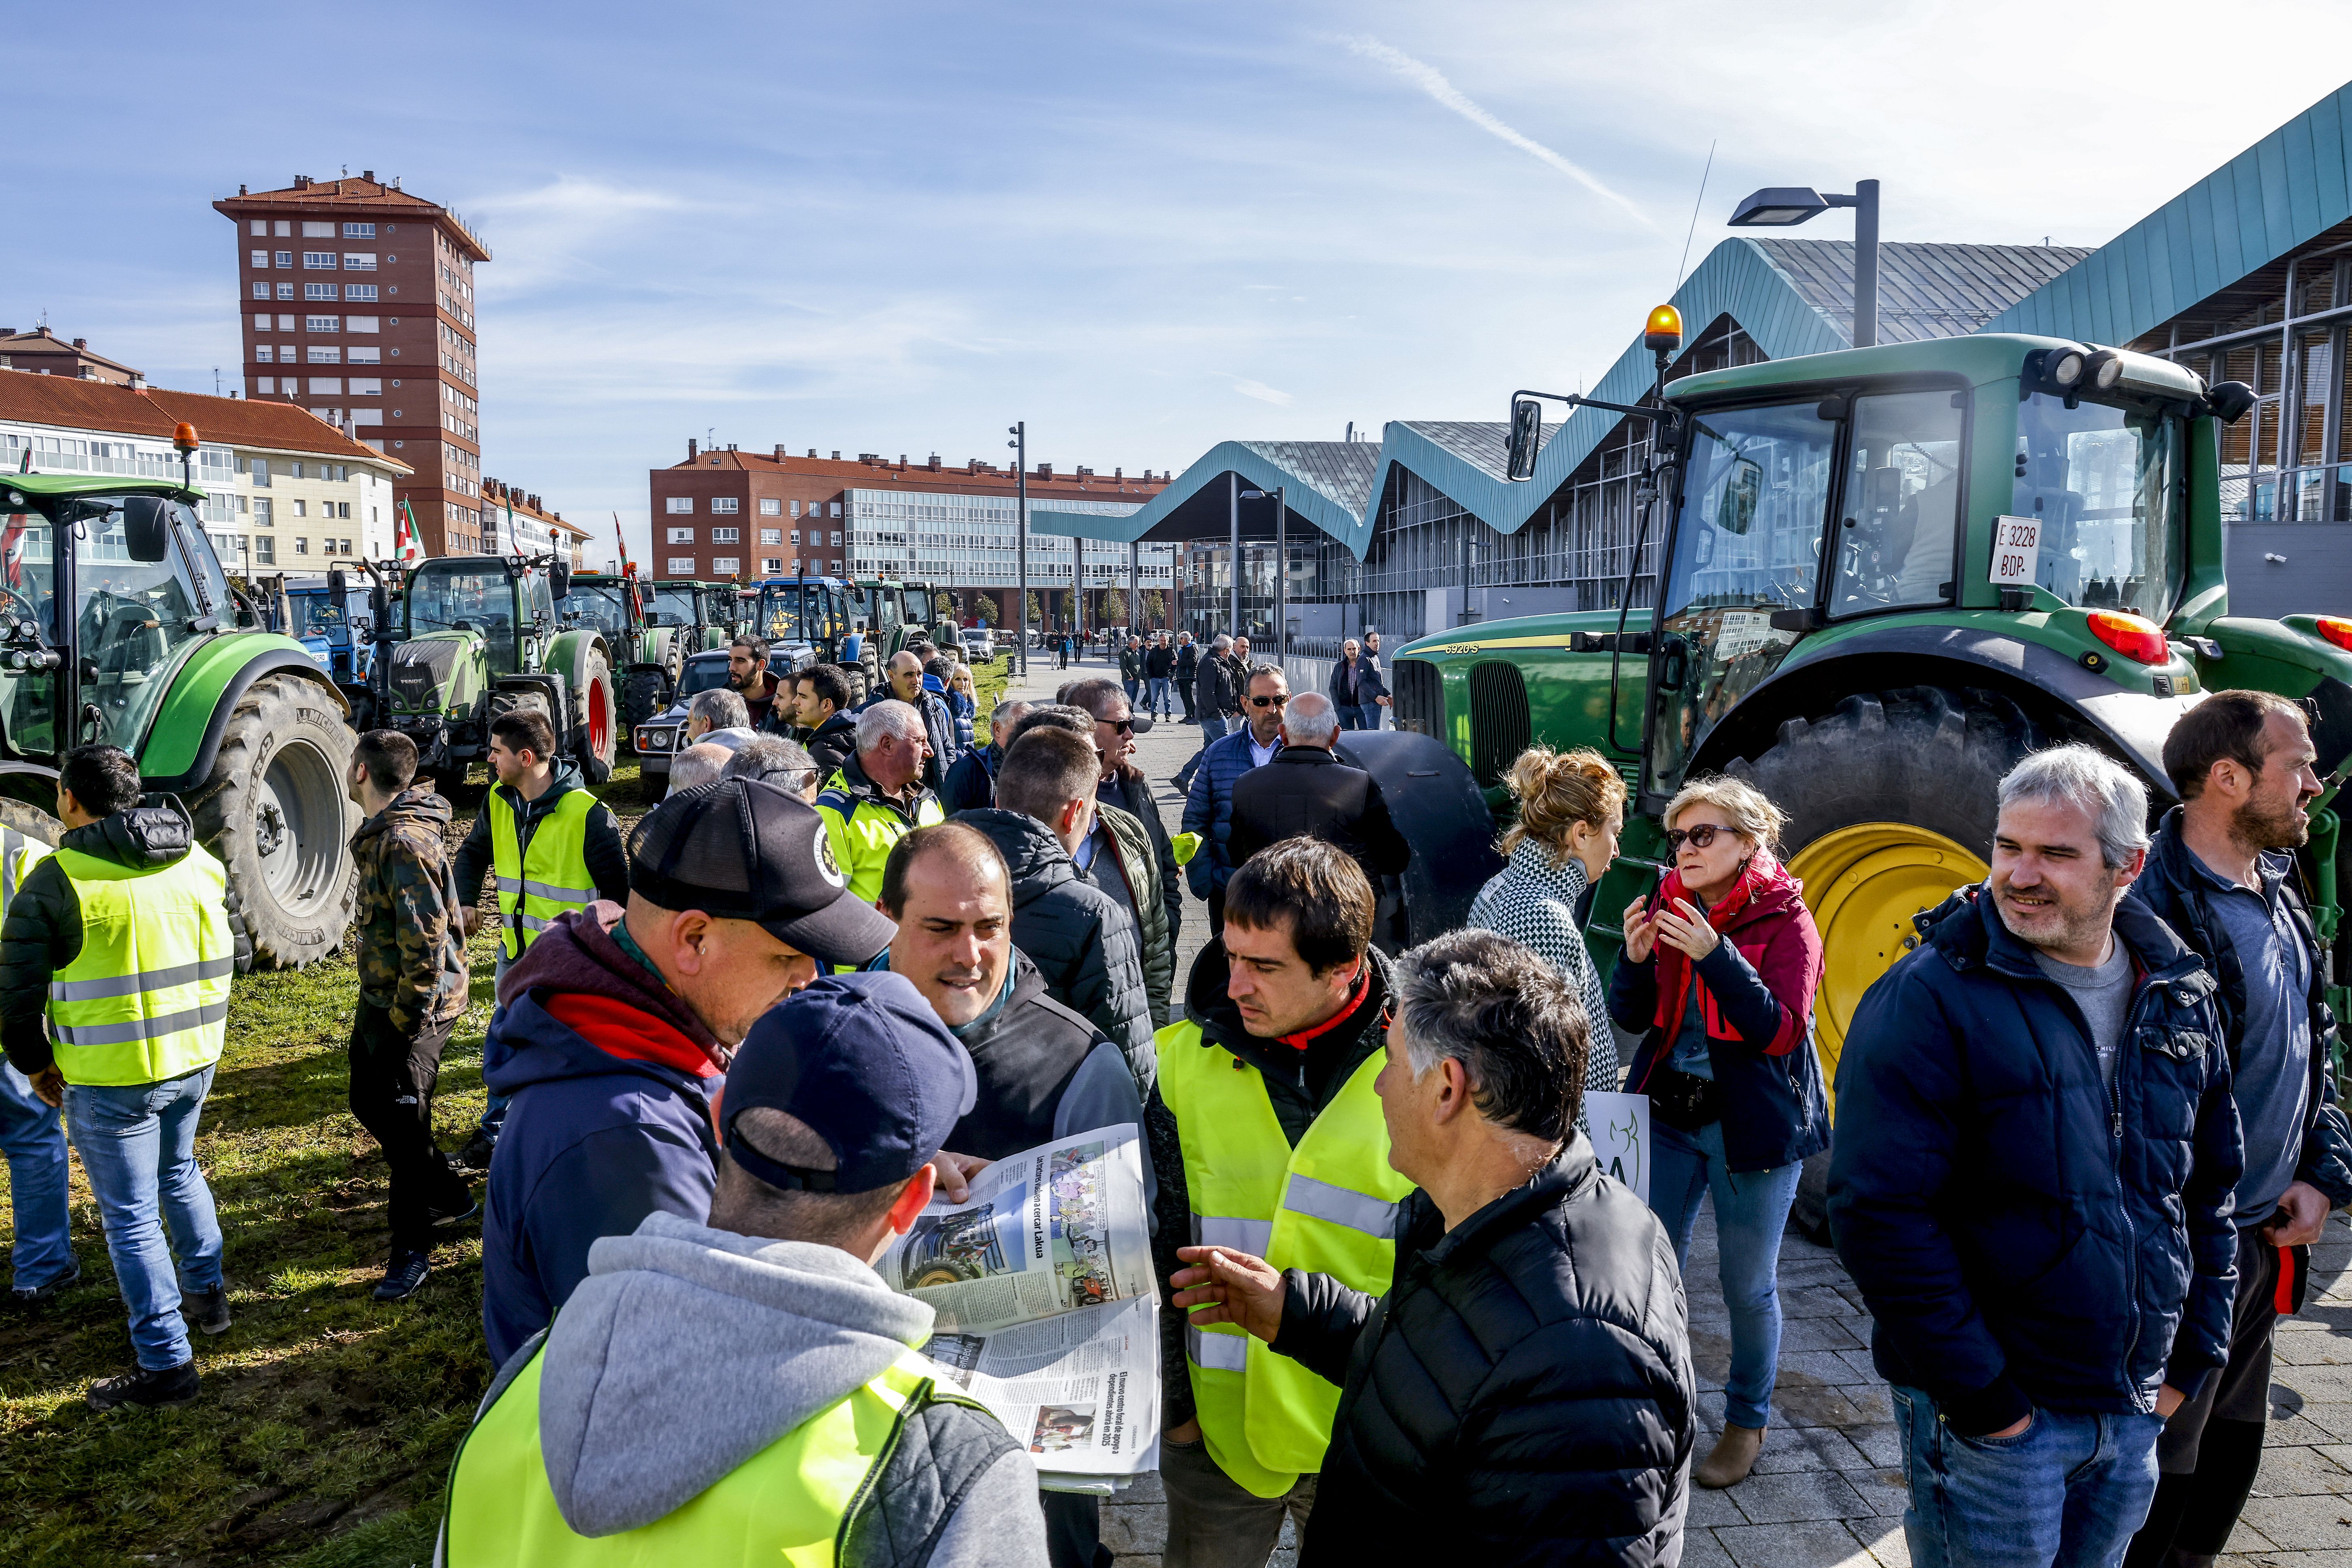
pixel 475 1154
pixel 173 1385
pixel 39 1295
pixel 207 1309
pixel 402 1275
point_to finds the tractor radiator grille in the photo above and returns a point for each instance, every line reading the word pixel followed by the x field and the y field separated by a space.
pixel 1500 729
pixel 1418 693
pixel 421 672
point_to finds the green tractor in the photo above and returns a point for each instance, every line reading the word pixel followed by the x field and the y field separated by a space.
pixel 120 627
pixel 705 614
pixel 648 656
pixel 481 637
pixel 903 611
pixel 1888 573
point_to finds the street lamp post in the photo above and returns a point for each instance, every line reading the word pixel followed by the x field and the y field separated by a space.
pixel 1784 207
pixel 1233 509
pixel 1281 574
pixel 1020 445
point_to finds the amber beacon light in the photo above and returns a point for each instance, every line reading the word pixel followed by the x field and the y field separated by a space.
pixel 1664 332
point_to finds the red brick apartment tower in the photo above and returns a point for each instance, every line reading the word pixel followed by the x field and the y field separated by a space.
pixel 358 304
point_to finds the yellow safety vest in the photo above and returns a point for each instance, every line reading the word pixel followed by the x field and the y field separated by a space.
pixel 548 878
pixel 147 997
pixel 18 855
pixel 1328 1206
pixel 862 832
pixel 789 1504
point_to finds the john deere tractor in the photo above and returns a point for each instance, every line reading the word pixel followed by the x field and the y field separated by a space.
pixel 705 614
pixel 482 637
pixel 1887 574
pixel 647 657
pixel 117 624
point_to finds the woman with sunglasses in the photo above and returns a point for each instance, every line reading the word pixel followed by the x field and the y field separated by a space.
pixel 1719 970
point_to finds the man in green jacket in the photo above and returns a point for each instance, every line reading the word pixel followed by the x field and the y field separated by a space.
pixel 115 961
pixel 554 848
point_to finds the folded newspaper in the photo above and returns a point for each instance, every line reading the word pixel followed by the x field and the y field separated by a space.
pixel 1048 1311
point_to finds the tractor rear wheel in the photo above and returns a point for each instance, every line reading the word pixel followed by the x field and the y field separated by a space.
pixel 1890 802
pixel 596 736
pixel 277 813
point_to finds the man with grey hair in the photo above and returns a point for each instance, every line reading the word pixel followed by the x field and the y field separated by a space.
pixel 971 782
pixel 1216 698
pixel 1533 1349
pixel 877 796
pixel 2032 1182
pixel 771 758
pixel 1306 792
pixel 698 764
pixel 718 708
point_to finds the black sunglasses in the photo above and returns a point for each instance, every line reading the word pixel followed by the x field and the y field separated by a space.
pixel 1700 836
pixel 1122 726
pixel 1268 701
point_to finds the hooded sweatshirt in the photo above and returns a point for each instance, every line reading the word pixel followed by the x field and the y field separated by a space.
pixel 42 933
pixel 611 1073
pixel 686 1351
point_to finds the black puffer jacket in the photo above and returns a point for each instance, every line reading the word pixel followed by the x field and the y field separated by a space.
pixel 1080 940
pixel 43 930
pixel 1523 1394
pixel 832 743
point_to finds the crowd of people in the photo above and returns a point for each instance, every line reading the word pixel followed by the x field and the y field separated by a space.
pixel 2086 1129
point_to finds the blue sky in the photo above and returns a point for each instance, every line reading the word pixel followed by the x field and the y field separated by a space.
pixel 1143 229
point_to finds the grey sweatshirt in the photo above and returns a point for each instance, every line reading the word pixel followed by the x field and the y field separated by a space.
pixel 687 1349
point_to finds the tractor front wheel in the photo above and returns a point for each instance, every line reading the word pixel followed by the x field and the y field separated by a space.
pixel 277 813
pixel 641 698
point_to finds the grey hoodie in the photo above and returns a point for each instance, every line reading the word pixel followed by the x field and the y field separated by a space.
pixel 687 1349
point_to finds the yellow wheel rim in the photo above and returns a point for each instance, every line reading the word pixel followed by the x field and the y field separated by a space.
pixel 1863 884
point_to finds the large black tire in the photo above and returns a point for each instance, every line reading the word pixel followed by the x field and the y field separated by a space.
pixel 643 695
pixel 1865 785
pixel 594 737
pixel 277 813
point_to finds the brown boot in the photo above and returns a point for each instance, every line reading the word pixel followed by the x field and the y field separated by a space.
pixel 1734 1456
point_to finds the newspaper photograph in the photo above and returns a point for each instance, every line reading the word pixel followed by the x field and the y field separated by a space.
pixel 1046 1308
pixel 1050 1230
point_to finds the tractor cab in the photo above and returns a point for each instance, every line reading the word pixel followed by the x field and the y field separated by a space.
pixel 704 612
pixel 833 617
pixel 508 608
pixel 604 603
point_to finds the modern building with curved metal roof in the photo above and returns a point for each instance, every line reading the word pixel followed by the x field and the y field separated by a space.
pixel 2244 276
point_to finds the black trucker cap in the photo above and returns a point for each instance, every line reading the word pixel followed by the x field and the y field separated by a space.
pixel 867 1063
pixel 745 850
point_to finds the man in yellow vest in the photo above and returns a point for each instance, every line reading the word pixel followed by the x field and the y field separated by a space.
pixel 877 796
pixel 122 944
pixel 553 846
pixel 34 1142
pixel 1266 1092
pixel 751 1391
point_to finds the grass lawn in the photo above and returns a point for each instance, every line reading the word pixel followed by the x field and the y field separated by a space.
pixel 327 1421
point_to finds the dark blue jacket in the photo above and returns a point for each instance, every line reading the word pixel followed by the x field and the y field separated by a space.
pixel 594 1142
pixel 2022 1233
pixel 2174 891
pixel 1209 810
pixel 971 782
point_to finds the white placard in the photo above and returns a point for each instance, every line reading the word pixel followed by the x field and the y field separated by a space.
pixel 1620 1137
pixel 2016 551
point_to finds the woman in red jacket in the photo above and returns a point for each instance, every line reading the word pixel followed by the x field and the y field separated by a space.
pixel 1720 971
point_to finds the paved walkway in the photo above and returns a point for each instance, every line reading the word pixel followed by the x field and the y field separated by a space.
pixel 1827 1491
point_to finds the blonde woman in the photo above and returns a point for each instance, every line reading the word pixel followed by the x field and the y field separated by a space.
pixel 1571 809
pixel 963 703
pixel 1720 971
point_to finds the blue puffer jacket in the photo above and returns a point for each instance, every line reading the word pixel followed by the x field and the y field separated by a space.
pixel 1209 809
pixel 2023 1234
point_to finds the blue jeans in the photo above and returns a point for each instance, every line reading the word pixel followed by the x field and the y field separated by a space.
pixel 1161 700
pixel 1752 1210
pixel 138 1144
pixel 2067 1492
pixel 1365 718
pixel 36 1148
pixel 494 1113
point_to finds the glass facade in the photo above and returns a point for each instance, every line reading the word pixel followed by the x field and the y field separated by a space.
pixel 972 542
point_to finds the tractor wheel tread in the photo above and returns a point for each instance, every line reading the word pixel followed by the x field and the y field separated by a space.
pixel 284 935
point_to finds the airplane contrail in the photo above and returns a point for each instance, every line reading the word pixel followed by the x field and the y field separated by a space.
pixel 1432 80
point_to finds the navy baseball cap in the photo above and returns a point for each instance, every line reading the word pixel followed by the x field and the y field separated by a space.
pixel 867 1063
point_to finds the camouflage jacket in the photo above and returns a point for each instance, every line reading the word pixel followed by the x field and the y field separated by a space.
pixel 411 947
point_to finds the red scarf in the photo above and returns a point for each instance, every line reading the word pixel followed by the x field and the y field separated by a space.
pixel 1675 975
pixel 629 1032
pixel 1356 990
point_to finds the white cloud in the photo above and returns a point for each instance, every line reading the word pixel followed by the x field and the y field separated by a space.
pixel 1432 80
pixel 1262 392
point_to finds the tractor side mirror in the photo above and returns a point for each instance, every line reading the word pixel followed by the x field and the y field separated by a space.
pixel 339 589
pixel 380 604
pixel 558 577
pixel 1526 437
pixel 147 527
